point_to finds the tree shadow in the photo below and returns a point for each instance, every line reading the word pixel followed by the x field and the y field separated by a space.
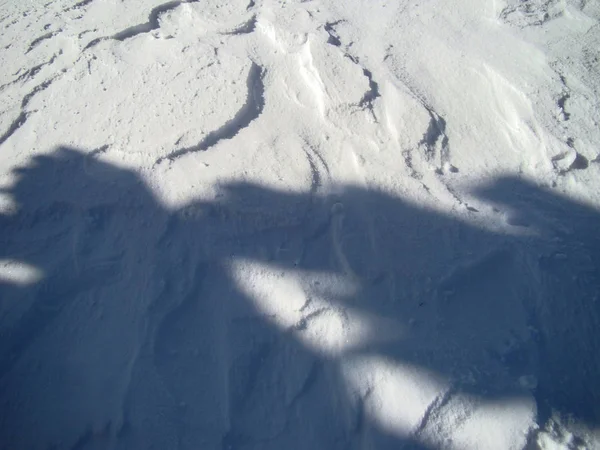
pixel 214 325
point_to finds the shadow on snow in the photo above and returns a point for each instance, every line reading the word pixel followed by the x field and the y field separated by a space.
pixel 137 331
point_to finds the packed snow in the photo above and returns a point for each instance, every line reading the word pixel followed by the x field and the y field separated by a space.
pixel 302 224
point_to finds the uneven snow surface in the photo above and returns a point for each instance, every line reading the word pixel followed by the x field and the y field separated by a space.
pixel 269 224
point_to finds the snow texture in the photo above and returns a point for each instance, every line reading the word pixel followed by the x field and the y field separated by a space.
pixel 274 224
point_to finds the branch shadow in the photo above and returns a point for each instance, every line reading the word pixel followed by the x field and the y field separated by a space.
pixel 147 327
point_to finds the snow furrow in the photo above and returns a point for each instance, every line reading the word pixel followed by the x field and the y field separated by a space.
pixel 433 410
pixel 245 28
pixel 333 38
pixel 249 112
pixel 14 126
pixel 78 5
pixel 41 39
pixel 372 93
pixel 434 140
pixel 152 24
pixel 24 115
pixel 316 181
pixel 40 87
pixel 317 165
pixel 30 73
pixel 153 21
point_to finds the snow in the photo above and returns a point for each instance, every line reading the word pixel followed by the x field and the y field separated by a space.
pixel 299 224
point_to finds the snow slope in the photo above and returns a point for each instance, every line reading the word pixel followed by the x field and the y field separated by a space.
pixel 267 224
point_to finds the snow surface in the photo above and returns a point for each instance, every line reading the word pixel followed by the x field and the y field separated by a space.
pixel 268 224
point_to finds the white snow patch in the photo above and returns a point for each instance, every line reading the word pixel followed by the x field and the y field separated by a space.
pixel 18 273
